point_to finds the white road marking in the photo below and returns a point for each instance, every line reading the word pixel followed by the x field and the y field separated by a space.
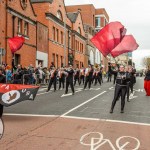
pixel 69 94
pixel 111 88
pixel 97 89
pixel 30 115
pixel 132 97
pixel 42 89
pixel 44 93
pixel 79 118
pixel 83 103
pixel 107 120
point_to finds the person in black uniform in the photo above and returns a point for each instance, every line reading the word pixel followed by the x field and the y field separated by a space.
pixel 109 72
pixel 76 76
pixel 61 75
pixel 115 71
pixel 82 73
pixel 69 79
pixel 131 83
pixel 89 75
pixel 120 88
pixel 53 79
pixel 101 74
pixel 2 80
pixel 97 76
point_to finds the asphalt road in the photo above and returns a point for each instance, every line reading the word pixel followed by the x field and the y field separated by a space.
pixel 94 103
pixel 54 121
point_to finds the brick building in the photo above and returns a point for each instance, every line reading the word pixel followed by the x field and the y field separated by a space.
pixel 65 34
pixel 93 21
pixel 53 32
pixel 18 19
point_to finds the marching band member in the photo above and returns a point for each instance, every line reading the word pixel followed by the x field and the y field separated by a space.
pixel 82 74
pixel 53 79
pixel 97 76
pixel 109 72
pixel 69 79
pixel 120 88
pixel 61 75
pixel 88 76
pixel 131 75
pixel 76 76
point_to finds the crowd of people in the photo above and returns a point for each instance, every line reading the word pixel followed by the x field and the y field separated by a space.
pixel 124 78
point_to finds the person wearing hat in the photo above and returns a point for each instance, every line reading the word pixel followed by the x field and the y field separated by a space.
pixel 120 88
pixel 69 79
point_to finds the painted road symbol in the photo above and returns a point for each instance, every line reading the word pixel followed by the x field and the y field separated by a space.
pixel 95 140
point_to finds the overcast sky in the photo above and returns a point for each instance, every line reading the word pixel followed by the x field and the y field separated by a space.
pixel 133 14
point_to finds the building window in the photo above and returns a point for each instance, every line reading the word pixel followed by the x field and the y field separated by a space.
pixel 79 30
pixel 56 61
pixel 81 47
pixel 75 44
pixel 62 38
pixel 97 22
pixel 17 59
pixel 53 59
pixel 93 21
pixel 57 35
pixel 19 26
pixel 54 33
pixel 105 22
pixel 26 26
pixel 61 61
pixel 59 15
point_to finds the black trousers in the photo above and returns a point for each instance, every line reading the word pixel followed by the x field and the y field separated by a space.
pixel 71 85
pixel 61 82
pixel 101 77
pixel 97 79
pixel 129 87
pixel 75 80
pixel 88 81
pixel 1 110
pixel 109 77
pixel 82 79
pixel 52 81
pixel 115 77
pixel 119 90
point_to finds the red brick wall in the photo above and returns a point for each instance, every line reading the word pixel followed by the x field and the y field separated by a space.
pixel 87 12
pixel 79 43
pixel 28 51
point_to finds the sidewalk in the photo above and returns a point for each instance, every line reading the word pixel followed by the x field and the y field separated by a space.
pixel 53 133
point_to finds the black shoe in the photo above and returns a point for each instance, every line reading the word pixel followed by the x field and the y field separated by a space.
pixel 47 91
pixel 72 93
pixel 122 111
pixel 111 111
